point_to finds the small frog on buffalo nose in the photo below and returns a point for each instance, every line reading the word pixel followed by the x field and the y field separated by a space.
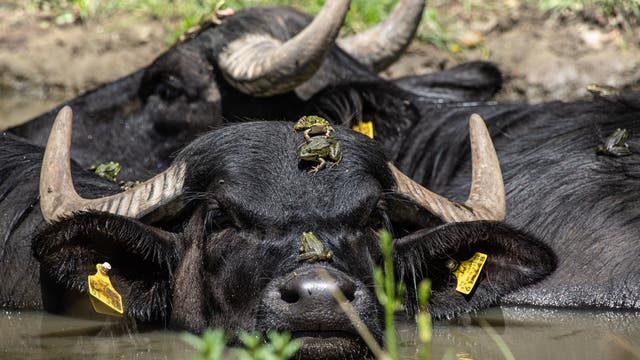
pixel 615 144
pixel 313 125
pixel 312 249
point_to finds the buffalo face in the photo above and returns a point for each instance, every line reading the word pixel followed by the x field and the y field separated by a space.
pixel 227 256
pixel 180 84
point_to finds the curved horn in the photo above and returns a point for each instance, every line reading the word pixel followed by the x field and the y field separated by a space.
pixel 261 65
pixel 383 44
pixel 486 201
pixel 58 197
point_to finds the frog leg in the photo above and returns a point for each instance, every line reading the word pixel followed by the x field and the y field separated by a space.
pixel 306 134
pixel 320 166
pixel 335 153
pixel 305 257
pixel 327 134
pixel 620 150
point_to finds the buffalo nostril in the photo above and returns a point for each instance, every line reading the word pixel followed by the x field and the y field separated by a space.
pixel 348 289
pixel 349 292
pixel 289 295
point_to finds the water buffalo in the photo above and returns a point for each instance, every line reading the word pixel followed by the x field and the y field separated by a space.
pixel 214 240
pixel 570 176
pixel 224 74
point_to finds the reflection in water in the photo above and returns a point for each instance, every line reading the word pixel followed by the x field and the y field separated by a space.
pixel 529 334
pixel 38 335
pixel 533 333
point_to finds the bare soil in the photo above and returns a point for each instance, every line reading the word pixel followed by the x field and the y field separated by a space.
pixel 543 57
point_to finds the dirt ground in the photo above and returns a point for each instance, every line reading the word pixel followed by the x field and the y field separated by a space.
pixel 543 57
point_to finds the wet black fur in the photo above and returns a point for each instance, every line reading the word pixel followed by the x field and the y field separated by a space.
pixel 248 200
pixel 582 204
pixel 20 218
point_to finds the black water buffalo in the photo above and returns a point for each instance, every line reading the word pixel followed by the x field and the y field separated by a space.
pixel 214 240
pixel 571 178
pixel 259 63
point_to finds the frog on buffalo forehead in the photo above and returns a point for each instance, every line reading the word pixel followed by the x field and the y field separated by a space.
pixel 320 149
pixel 313 125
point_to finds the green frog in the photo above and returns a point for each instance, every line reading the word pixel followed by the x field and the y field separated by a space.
pixel 602 90
pixel 312 249
pixel 615 144
pixel 108 171
pixel 313 125
pixel 319 149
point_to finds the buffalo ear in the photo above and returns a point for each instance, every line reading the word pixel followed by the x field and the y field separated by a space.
pixel 142 259
pixel 514 260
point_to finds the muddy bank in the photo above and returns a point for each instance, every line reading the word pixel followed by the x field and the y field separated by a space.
pixel 542 61
pixel 542 58
pixel 42 64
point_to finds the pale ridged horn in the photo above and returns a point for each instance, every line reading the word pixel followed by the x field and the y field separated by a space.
pixel 59 199
pixel 261 65
pixel 383 44
pixel 486 201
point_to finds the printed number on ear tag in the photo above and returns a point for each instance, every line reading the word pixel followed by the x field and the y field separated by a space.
pixel 104 298
pixel 468 272
pixel 365 127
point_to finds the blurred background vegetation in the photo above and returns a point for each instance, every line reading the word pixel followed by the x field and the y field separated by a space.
pixel 438 26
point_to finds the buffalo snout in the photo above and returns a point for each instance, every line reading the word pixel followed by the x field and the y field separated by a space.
pixel 302 302
pixel 308 290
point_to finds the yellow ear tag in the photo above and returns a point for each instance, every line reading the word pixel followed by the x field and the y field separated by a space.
pixel 365 127
pixel 104 298
pixel 468 272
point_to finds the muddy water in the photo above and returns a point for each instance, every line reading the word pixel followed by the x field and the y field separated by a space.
pixel 528 334
pixel 16 108
pixel 38 335
pixel 540 334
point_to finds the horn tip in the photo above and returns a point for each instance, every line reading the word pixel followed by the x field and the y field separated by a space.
pixel 478 127
pixel 476 119
pixel 64 116
pixel 65 111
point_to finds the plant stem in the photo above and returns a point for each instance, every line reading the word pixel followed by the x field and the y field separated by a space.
pixel 392 300
pixel 348 309
pixel 504 348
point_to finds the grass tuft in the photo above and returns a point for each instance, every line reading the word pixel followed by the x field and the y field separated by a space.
pixel 211 345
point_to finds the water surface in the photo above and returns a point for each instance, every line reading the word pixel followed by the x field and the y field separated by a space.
pixel 528 333
pixel 17 107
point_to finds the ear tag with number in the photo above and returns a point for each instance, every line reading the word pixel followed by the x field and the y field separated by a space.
pixel 468 272
pixel 104 298
pixel 365 127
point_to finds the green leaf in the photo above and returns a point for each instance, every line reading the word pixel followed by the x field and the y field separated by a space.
pixel 65 18
pixel 210 345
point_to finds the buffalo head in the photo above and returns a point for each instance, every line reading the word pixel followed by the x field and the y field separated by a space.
pixel 215 239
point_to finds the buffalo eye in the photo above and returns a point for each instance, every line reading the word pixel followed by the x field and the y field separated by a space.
pixel 169 88
pixel 216 219
pixel 379 218
pixel 403 217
